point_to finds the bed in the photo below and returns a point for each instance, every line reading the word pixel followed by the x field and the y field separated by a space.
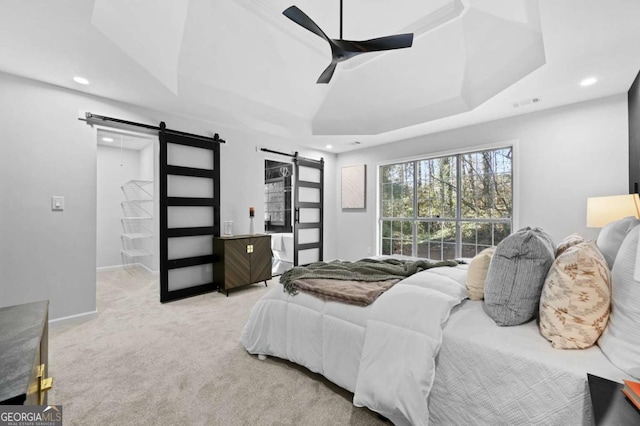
pixel 357 347
pixel 456 365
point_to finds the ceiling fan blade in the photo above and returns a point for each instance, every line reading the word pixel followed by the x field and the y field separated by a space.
pixel 300 18
pixel 325 77
pixel 342 50
pixel 399 41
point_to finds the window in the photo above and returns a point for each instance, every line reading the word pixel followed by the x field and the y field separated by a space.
pixel 274 205
pixel 277 196
pixel 446 207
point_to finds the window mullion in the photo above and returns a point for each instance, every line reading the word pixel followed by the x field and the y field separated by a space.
pixel 414 247
pixel 458 205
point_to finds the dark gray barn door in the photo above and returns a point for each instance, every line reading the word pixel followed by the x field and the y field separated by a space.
pixel 189 213
pixel 308 211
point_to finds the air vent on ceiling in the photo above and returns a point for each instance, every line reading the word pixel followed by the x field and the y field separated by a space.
pixel 526 102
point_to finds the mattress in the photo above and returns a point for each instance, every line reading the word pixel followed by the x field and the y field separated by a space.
pixel 491 375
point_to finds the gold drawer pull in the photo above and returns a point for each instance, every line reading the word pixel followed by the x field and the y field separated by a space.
pixel 43 384
pixel 250 248
pixel 46 384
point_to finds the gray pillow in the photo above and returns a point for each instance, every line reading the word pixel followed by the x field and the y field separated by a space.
pixel 612 235
pixel 516 275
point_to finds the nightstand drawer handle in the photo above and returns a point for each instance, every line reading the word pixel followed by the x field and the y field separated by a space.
pixel 43 384
pixel 250 248
pixel 46 384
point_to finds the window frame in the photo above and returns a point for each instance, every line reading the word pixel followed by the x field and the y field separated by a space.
pixel 515 187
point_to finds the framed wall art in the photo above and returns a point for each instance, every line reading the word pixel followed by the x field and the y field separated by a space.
pixel 354 187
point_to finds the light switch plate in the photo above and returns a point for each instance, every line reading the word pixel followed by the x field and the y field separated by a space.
pixel 57 203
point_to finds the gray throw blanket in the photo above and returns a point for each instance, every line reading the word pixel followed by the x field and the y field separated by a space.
pixel 368 270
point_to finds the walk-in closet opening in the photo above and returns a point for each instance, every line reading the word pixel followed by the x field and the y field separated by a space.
pixel 127 202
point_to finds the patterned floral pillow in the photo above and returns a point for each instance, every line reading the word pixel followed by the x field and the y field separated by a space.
pixel 567 242
pixel 576 298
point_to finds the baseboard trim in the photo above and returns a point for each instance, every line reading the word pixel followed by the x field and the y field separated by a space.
pixel 109 268
pixel 122 268
pixel 147 269
pixel 73 319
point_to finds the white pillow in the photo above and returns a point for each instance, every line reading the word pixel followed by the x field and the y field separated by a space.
pixel 612 236
pixel 620 341
pixel 477 273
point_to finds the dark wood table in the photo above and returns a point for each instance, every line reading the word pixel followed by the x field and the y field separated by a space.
pixel 23 354
pixel 610 406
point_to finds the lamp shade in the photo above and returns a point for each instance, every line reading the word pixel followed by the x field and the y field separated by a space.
pixel 604 210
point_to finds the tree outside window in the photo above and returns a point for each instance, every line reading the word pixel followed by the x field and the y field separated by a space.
pixel 446 207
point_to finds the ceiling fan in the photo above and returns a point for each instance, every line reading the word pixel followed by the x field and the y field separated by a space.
pixel 342 50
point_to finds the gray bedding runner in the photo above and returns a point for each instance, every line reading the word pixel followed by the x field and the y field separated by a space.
pixel 357 277
pixel 360 293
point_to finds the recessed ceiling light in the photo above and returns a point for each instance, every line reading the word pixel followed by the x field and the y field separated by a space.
pixel 588 81
pixel 329 146
pixel 107 139
pixel 80 80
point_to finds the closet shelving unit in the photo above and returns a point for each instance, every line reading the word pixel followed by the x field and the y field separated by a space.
pixel 138 211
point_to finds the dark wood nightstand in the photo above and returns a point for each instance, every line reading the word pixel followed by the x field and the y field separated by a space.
pixel 241 260
pixel 610 406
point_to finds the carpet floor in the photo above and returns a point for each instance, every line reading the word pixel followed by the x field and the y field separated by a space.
pixel 139 362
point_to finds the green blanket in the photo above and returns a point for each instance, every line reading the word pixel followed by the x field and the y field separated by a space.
pixel 361 270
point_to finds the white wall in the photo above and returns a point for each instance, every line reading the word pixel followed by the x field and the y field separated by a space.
pixel 110 177
pixel 564 156
pixel 114 168
pixel 149 170
pixel 45 150
pixel 146 163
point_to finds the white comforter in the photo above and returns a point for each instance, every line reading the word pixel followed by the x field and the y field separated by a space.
pixel 383 353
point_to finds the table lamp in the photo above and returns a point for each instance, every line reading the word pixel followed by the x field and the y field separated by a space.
pixel 604 210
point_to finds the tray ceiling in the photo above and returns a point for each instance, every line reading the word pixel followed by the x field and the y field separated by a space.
pixel 243 64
